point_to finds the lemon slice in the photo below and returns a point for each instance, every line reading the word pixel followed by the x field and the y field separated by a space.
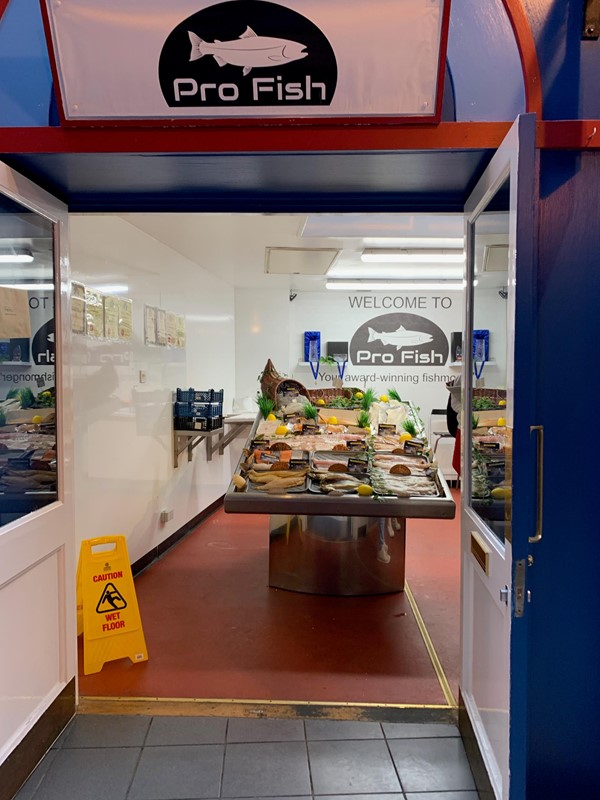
pixel 384 398
pixel 37 419
pixel 359 395
pixel 271 417
pixel 501 422
pixel 332 421
pixel 501 402
pixel 502 492
pixel 320 402
pixel 404 437
pixel 281 430
pixel 364 490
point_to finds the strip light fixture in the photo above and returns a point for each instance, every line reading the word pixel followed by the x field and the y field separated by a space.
pixel 413 256
pixel 396 286
pixel 15 255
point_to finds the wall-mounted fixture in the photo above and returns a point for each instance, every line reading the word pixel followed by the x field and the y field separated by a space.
pixel 413 256
pixel 15 255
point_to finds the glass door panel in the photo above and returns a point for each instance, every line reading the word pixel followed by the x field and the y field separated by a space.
pixel 28 462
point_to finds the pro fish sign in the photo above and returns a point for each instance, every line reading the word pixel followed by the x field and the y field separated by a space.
pixel 406 340
pixel 147 59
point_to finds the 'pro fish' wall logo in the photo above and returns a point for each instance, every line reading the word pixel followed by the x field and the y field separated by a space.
pixel 406 340
pixel 247 53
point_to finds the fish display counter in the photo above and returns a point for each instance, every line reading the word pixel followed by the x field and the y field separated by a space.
pixel 338 489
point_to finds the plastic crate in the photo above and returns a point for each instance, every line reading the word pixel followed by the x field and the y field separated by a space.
pixel 192 395
pixel 198 423
pixel 209 410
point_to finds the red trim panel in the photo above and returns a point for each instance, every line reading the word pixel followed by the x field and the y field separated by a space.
pixel 264 138
pixel 526 45
pixel 3 5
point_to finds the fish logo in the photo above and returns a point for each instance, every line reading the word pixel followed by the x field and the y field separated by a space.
pixel 400 338
pixel 274 59
pixel 249 51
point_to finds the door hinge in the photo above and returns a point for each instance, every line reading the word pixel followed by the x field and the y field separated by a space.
pixel 519 587
pixel 591 19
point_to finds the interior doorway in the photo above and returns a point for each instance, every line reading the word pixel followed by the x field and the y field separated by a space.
pixel 257 314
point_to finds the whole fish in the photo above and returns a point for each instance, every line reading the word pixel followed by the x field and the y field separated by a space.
pixel 249 51
pixel 401 337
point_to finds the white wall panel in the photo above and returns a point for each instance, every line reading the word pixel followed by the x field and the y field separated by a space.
pixel 262 331
pixel 123 427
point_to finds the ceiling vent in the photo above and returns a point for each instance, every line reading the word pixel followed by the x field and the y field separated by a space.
pixel 299 261
pixel 495 258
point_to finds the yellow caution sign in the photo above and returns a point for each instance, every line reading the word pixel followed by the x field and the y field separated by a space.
pixel 107 608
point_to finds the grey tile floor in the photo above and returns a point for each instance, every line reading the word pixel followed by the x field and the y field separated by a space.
pixel 102 757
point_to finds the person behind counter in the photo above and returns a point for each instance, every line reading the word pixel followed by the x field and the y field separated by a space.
pixel 453 409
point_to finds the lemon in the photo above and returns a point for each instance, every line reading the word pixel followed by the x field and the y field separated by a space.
pixel 271 417
pixel 502 492
pixel 37 419
pixel 332 421
pixel 501 422
pixel 404 437
pixel 359 395
pixel 320 402
pixel 501 402
pixel 281 430
pixel 364 490
pixel 384 398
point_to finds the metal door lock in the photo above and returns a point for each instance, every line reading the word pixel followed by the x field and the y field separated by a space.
pixel 504 595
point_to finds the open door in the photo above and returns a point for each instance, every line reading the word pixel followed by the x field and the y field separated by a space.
pixel 37 584
pixel 499 454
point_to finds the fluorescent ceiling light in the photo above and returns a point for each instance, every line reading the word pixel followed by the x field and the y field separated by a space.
pixel 396 272
pixel 32 287
pixel 395 286
pixel 411 242
pixel 420 256
pixel 111 288
pixel 15 255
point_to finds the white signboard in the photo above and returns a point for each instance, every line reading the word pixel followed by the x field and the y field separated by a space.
pixel 192 59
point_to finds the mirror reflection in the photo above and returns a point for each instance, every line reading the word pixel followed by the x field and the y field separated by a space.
pixel 491 371
pixel 28 464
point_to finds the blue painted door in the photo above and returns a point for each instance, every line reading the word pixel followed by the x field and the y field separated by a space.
pixel 500 446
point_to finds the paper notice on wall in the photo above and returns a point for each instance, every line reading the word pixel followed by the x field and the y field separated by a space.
pixel 180 337
pixel 149 325
pixel 171 329
pixel 125 318
pixel 161 326
pixel 94 313
pixel 77 308
pixel 111 317
pixel 14 314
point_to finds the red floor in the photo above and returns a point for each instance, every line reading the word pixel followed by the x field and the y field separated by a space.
pixel 214 628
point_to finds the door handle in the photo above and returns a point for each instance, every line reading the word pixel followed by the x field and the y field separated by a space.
pixel 539 429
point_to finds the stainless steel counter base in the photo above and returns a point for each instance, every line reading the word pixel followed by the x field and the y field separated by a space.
pixel 336 555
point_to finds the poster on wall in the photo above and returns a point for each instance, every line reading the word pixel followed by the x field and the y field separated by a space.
pixel 248 58
pixel 171 329
pixel 161 327
pixel 111 317
pixel 14 314
pixel 77 308
pixel 149 325
pixel 94 313
pixel 180 337
pixel 125 318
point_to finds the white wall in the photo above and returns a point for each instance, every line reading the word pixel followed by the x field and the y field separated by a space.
pixel 268 325
pixel 123 427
